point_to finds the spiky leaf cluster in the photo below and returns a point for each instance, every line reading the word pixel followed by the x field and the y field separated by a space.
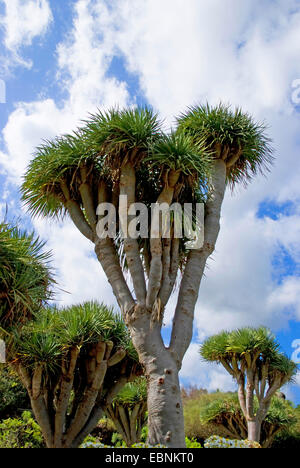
pixel 132 393
pixel 25 275
pixel 229 133
pixel 247 345
pixel 47 339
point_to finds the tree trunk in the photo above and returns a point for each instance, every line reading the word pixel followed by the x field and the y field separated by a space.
pixel 165 412
pixel 254 430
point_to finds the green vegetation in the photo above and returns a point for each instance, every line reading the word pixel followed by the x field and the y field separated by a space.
pixel 13 396
pixel 21 432
pixel 128 411
pixel 252 357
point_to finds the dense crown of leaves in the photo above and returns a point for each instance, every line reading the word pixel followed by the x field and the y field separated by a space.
pixel 132 393
pixel 109 139
pixel 229 133
pixel 258 343
pixel 48 338
pixel 25 275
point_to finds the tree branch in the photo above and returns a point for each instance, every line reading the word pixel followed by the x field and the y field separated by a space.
pixel 182 331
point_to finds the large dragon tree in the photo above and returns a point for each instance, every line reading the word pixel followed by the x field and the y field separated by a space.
pixel 252 358
pixel 125 153
pixel 72 363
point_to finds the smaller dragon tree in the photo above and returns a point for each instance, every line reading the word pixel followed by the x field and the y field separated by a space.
pixel 226 413
pixel 128 411
pixel 25 275
pixel 252 358
pixel 72 363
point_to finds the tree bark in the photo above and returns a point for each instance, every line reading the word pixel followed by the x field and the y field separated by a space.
pixel 254 430
pixel 165 412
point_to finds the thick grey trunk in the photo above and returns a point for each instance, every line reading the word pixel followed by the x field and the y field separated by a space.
pixel 165 413
pixel 254 430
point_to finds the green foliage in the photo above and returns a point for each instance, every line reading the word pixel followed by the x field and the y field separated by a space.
pixel 48 338
pixel 99 146
pixel 117 440
pixel 132 393
pixel 217 408
pixel 25 275
pixel 229 132
pixel 20 433
pixel 280 413
pixel 192 443
pixel 178 152
pixel 118 131
pixel 238 343
pixel 13 396
pixel 249 343
pixel 193 404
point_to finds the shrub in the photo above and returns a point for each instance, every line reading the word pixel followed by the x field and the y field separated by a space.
pixel 21 433
pixel 13 396
pixel 192 443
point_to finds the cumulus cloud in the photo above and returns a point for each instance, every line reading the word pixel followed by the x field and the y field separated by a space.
pixel 22 22
pixel 197 372
pixel 83 60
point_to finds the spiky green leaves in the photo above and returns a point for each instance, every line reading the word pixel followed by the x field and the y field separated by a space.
pixel 117 132
pixel 280 413
pixel 233 136
pixel 178 152
pixel 132 393
pixel 25 275
pixel 56 161
pixel 248 345
pixel 99 147
pixel 54 332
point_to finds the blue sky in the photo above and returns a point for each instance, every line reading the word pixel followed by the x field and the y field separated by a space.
pixel 62 60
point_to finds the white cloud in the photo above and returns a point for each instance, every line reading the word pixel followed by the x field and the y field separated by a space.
pixel 83 60
pixel 77 271
pixel 22 22
pixel 209 376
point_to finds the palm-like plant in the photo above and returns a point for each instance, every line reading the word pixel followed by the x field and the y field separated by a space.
pixel 252 358
pixel 25 275
pixel 227 414
pixel 128 411
pixel 232 136
pixel 126 153
pixel 72 362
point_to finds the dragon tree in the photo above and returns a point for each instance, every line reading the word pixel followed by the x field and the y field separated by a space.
pixel 125 153
pixel 72 362
pixel 128 411
pixel 252 358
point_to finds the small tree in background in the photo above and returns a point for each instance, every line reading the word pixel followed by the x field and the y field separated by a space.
pixel 25 275
pixel 227 414
pixel 125 153
pixel 72 362
pixel 252 358
pixel 128 411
